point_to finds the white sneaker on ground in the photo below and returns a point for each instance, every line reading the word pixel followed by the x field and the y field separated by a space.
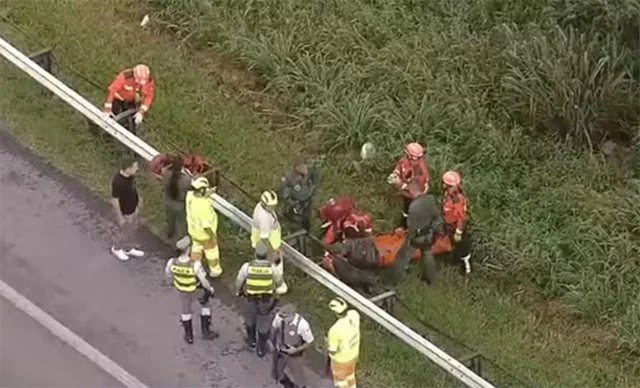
pixel 120 254
pixel 135 252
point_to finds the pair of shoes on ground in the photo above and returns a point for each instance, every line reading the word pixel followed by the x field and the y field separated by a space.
pixel 123 255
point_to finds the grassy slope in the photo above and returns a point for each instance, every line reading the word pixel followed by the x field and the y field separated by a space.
pixel 457 78
pixel 192 112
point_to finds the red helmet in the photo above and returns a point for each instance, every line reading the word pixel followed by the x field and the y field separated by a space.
pixel 414 150
pixel 141 74
pixel 196 164
pixel 336 209
pixel 159 162
pixel 451 178
pixel 360 222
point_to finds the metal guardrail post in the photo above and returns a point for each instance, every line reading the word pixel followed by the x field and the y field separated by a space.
pixel 474 361
pixel 452 366
pixel 386 300
pixel 44 59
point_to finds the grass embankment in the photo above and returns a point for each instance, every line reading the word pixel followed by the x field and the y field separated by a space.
pixel 486 85
pixel 192 110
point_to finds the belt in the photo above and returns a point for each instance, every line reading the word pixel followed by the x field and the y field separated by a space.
pixel 259 296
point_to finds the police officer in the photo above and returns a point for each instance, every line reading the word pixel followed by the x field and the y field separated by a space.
pixel 297 189
pixel 423 222
pixel 291 336
pixel 188 278
pixel 257 282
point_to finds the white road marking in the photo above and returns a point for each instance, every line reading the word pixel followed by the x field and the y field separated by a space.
pixel 82 346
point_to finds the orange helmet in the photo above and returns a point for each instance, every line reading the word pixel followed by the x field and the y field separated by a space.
pixel 451 178
pixel 141 74
pixel 414 150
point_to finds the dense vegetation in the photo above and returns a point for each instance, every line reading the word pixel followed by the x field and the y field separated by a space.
pixel 536 102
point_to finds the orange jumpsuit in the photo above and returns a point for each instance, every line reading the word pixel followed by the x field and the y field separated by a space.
pixel 124 90
pixel 454 215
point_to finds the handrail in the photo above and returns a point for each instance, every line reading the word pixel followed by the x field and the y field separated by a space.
pixel 393 325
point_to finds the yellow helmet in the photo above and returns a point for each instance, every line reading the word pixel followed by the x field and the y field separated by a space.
pixel 269 198
pixel 338 305
pixel 200 183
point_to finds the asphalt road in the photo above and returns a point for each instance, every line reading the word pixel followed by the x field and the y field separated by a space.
pixel 26 345
pixel 54 249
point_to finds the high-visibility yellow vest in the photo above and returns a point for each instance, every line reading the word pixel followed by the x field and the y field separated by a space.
pixel 275 233
pixel 344 338
pixel 259 278
pixel 200 215
pixel 184 276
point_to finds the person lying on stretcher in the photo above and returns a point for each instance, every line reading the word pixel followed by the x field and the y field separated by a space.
pixel 342 222
pixel 354 260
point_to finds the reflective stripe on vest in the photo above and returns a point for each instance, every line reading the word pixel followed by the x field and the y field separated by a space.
pixel 184 276
pixel 259 278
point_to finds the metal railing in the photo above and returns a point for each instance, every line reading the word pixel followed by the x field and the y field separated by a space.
pixel 452 366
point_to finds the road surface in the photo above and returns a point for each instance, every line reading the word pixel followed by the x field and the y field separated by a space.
pixel 26 345
pixel 54 249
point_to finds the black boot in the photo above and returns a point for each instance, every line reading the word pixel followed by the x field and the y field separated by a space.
pixel 287 383
pixel 261 349
pixel 205 326
pixel 188 331
pixel 251 336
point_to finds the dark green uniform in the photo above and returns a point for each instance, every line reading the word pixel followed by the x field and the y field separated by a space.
pixel 297 190
pixel 355 261
pixel 175 207
pixel 423 220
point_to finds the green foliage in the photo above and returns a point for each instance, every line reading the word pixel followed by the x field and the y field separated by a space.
pixel 476 81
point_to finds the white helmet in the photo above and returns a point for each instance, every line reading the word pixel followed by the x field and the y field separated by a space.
pixel 338 305
pixel 200 183
pixel 269 198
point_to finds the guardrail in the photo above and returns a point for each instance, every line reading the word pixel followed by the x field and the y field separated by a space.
pixel 452 366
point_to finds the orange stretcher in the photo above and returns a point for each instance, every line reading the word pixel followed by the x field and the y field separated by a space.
pixel 390 243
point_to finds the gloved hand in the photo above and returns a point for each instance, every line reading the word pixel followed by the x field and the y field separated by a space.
pixel 393 179
pixel 138 117
pixel 457 236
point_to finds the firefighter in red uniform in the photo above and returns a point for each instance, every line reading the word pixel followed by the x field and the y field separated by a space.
pixel 454 215
pixel 131 89
pixel 410 176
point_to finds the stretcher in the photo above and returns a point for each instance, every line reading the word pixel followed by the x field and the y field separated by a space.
pixel 389 245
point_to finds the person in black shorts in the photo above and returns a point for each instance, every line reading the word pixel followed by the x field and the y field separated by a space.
pixel 126 205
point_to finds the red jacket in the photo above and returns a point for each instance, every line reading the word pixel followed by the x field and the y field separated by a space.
pixel 124 88
pixel 454 209
pixel 414 174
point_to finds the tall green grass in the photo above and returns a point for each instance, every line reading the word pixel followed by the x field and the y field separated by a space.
pixel 519 95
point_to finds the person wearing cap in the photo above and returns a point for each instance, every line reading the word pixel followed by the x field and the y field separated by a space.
pixel 297 188
pixel 257 282
pixel 202 225
pixel 343 344
pixel 265 228
pixel 132 88
pixel 291 336
pixel 188 277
